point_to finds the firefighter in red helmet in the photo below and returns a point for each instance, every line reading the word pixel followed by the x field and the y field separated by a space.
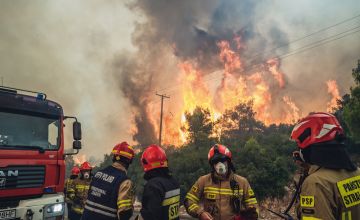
pixel 80 187
pixel 111 194
pixel 161 196
pixel 223 194
pixel 331 186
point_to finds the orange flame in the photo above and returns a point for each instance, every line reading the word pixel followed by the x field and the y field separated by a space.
pixel 235 87
pixel 293 113
pixel 274 69
pixel 79 159
pixel 334 92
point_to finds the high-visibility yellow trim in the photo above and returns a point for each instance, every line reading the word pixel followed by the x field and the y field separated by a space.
pixel 217 192
pixel 171 200
pixel 124 201
pixel 310 218
pixel 346 215
pixel 192 197
pixel 251 201
pixel 350 191
pixel 155 164
pixel 126 154
pixel 82 186
pixel 251 192
pixel 218 189
pixel 125 205
pixel 193 207
pixel 78 210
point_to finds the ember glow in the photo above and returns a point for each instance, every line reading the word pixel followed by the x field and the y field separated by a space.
pixel 335 95
pixel 233 86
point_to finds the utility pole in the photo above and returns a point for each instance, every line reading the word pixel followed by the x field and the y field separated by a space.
pixel 162 96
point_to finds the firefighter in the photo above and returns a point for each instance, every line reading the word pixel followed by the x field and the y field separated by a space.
pixel 224 195
pixel 161 196
pixel 80 187
pixel 69 191
pixel 111 193
pixel 331 188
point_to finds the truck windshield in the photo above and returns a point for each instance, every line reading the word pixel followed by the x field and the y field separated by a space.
pixel 28 132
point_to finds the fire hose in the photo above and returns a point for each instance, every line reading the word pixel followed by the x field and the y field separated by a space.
pixel 285 215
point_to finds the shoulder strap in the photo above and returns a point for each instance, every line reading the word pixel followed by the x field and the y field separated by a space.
pixel 235 198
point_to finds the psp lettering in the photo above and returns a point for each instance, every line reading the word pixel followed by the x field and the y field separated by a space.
pixel 307 201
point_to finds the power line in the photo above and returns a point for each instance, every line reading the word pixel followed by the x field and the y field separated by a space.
pixel 307 36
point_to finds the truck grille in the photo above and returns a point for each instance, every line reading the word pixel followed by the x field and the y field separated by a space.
pixel 13 177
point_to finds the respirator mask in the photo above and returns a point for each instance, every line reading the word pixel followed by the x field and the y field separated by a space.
pixel 221 168
pixel 86 175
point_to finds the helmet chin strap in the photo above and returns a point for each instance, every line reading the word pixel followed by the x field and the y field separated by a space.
pixel 301 156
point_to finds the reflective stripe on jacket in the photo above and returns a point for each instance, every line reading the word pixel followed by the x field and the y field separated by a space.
pixel 216 196
pixel 81 188
pixel 161 199
pixel 110 192
pixel 330 195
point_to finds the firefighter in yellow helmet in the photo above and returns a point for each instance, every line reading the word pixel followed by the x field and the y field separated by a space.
pixel 331 188
pixel 69 190
pixel 80 187
pixel 224 195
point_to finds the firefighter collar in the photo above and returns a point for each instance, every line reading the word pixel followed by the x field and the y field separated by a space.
pixel 119 166
pixel 313 169
pixel 222 178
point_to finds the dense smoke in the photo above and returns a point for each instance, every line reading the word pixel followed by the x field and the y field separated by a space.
pixel 104 61
pixel 191 31
pixel 185 30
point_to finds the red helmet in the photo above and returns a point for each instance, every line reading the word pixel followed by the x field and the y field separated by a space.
pixel 153 157
pixel 219 152
pixel 316 128
pixel 75 171
pixel 123 149
pixel 85 166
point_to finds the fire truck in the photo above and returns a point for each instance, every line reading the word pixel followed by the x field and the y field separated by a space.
pixel 32 157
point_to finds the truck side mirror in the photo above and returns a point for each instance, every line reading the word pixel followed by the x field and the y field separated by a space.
pixel 77 131
pixel 77 145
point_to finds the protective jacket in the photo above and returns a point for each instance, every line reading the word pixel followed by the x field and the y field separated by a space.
pixel 330 194
pixel 217 197
pixel 80 188
pixel 110 193
pixel 69 190
pixel 161 199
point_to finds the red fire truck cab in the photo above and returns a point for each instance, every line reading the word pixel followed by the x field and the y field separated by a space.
pixel 32 165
